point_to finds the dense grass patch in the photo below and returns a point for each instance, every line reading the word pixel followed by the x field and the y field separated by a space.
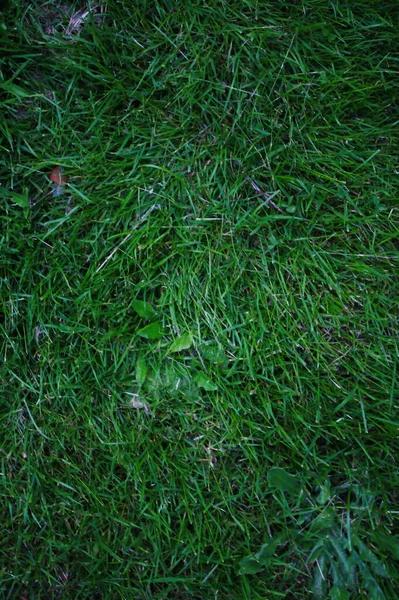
pixel 199 331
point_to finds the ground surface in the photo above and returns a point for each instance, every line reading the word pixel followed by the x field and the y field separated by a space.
pixel 199 331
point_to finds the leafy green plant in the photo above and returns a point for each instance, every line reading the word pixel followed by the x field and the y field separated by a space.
pixel 330 537
pixel 174 376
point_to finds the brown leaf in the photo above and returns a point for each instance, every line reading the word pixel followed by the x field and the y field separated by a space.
pixel 57 177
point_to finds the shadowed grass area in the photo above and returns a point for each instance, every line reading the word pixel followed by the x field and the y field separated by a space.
pixel 213 295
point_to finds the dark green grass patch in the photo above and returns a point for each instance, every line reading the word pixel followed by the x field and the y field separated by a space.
pixel 199 330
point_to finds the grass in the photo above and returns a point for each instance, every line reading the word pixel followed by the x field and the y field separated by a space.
pixel 199 332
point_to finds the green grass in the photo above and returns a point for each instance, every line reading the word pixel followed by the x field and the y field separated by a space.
pixel 214 295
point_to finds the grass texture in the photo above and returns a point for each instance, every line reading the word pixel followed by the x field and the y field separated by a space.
pixel 199 331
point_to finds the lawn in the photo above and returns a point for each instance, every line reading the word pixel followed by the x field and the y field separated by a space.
pixel 199 309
